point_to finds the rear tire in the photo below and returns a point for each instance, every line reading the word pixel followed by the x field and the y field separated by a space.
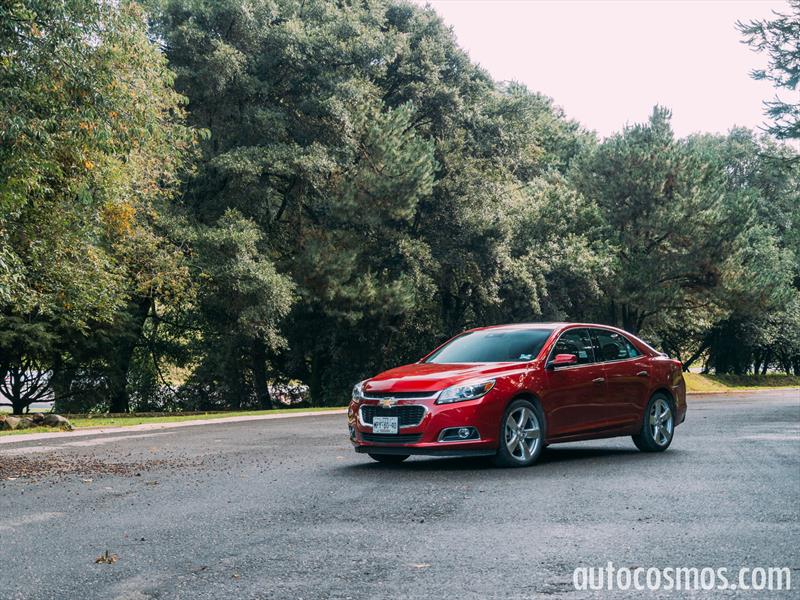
pixel 389 459
pixel 522 433
pixel 658 425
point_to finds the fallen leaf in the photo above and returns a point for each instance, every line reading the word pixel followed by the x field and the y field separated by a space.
pixel 106 558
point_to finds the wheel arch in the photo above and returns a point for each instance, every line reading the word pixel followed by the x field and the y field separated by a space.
pixel 659 390
pixel 667 392
pixel 534 399
pixel 526 395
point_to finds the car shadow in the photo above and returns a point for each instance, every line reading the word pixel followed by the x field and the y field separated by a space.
pixel 574 453
pixel 423 463
pixel 557 455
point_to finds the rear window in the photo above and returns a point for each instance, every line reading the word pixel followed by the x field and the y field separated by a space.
pixel 493 345
pixel 613 346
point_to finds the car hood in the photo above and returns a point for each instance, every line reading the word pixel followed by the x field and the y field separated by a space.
pixel 431 377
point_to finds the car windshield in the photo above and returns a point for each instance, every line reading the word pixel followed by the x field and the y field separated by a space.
pixel 492 345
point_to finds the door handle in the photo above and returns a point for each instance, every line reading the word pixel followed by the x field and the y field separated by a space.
pixel 643 374
pixel 599 380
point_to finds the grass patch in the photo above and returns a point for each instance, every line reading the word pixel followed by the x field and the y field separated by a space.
pixel 695 382
pixel 31 430
pixel 81 422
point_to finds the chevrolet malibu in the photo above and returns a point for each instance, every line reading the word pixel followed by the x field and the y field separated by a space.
pixel 510 390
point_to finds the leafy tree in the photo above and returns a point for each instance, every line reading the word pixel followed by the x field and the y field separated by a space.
pixel 686 238
pixel 241 302
pixel 490 142
pixel 757 334
pixel 91 138
pixel 302 143
pixel 559 259
pixel 754 343
pixel 380 164
pixel 778 39
pixel 360 191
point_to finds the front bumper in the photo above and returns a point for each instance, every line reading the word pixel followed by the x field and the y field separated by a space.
pixel 376 449
pixel 482 414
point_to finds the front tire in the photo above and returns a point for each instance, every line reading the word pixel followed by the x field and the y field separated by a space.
pixel 389 459
pixel 521 435
pixel 658 426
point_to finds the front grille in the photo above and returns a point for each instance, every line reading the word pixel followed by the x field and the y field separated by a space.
pixel 386 438
pixel 407 416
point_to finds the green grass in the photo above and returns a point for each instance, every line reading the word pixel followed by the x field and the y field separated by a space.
pixel 695 382
pixel 81 422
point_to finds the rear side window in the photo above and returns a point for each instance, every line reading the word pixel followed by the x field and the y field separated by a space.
pixel 610 345
pixel 577 342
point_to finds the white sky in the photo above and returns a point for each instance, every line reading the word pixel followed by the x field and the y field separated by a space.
pixel 608 62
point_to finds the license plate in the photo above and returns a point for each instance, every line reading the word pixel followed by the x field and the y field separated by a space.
pixel 384 424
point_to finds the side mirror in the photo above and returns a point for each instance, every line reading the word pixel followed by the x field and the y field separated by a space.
pixel 562 360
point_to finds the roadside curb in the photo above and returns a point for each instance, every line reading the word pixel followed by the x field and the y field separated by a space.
pixel 745 391
pixel 85 431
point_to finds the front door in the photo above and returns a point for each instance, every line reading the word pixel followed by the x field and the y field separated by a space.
pixel 574 395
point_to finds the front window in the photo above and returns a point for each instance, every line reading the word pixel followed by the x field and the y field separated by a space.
pixel 577 342
pixel 492 345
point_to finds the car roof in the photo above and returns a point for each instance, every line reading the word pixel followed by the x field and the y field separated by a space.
pixel 557 327
pixel 554 325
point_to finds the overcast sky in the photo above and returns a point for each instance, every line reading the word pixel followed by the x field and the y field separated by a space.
pixel 607 63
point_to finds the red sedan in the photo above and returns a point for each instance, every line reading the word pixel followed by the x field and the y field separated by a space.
pixel 510 390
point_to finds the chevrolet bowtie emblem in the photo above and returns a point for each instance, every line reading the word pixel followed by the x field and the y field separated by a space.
pixel 387 402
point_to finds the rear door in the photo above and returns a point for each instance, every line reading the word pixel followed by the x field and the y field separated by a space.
pixel 574 395
pixel 627 375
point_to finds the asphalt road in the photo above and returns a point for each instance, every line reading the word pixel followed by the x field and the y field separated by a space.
pixel 285 509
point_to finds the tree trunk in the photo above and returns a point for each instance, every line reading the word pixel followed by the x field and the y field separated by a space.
pixel 118 384
pixel 121 362
pixel 259 356
pixel 315 383
pixel 16 397
pixel 694 357
pixel 630 319
pixel 60 384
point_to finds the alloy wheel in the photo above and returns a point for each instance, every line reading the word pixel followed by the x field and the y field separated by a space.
pixel 661 422
pixel 522 433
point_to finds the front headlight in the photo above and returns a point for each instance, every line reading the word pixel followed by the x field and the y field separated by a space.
pixel 358 392
pixel 459 393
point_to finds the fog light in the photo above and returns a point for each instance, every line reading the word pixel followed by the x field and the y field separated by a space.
pixel 459 434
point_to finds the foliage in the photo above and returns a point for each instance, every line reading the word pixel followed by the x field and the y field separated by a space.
pixel 778 39
pixel 303 144
pixel 684 227
pixel 353 190
pixel 240 304
pixel 91 139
